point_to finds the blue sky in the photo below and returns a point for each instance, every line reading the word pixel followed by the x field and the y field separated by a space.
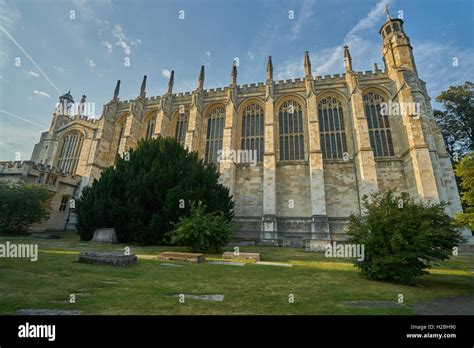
pixel 86 54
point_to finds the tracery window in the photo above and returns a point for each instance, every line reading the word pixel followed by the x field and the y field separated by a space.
pixel 70 151
pixel 181 127
pixel 252 137
pixel 332 133
pixel 215 134
pixel 150 128
pixel 379 127
pixel 290 121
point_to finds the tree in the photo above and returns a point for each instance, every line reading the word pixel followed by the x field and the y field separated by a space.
pixel 147 192
pixel 457 121
pixel 21 205
pixel 203 232
pixel 401 237
pixel 465 171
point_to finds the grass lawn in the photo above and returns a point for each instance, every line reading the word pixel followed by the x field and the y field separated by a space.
pixel 318 284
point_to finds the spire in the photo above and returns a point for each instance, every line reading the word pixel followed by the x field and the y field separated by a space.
pixel 269 69
pixel 387 13
pixel 201 78
pixel 142 89
pixel 233 79
pixel 307 64
pixel 347 59
pixel 117 90
pixel 171 82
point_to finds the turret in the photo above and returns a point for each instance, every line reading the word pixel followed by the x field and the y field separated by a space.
pixel 396 49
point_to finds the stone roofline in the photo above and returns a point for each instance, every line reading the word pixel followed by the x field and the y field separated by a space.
pixel 254 87
pixel 19 167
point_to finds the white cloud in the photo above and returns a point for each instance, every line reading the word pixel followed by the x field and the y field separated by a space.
pixel 41 93
pixel 91 63
pixel 166 73
pixel 302 15
pixel 108 45
pixel 208 54
pixel 1 77
pixel 58 68
pixel 123 41
pixel 434 62
pixel 32 73
pixel 330 60
pixel 250 55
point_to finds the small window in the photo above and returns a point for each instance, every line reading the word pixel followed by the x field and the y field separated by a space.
pixel 396 27
pixel 63 205
pixel 388 30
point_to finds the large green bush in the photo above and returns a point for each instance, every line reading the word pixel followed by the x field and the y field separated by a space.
pixel 21 205
pixel 402 238
pixel 203 232
pixel 144 196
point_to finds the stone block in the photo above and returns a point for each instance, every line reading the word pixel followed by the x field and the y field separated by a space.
pixel 104 235
pixel 112 258
pixel 188 257
pixel 228 255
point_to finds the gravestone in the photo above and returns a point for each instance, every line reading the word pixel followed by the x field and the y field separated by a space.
pixel 105 235
pixel 240 256
pixel 112 258
pixel 188 257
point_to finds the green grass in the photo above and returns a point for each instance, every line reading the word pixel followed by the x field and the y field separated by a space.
pixel 318 284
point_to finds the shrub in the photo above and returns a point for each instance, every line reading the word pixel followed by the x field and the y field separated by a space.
pixel 465 171
pixel 21 205
pixel 401 237
pixel 144 195
pixel 201 231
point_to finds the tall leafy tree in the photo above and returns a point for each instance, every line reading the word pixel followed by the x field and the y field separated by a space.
pixel 465 171
pixel 457 119
pixel 147 192
pixel 21 205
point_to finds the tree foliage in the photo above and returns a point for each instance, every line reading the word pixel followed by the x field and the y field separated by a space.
pixel 457 120
pixel 465 171
pixel 402 238
pixel 203 232
pixel 143 197
pixel 21 205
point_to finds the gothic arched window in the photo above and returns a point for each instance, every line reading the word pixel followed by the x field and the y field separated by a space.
pixel 379 127
pixel 215 134
pixel 150 128
pixel 290 124
pixel 332 132
pixel 181 127
pixel 252 130
pixel 70 152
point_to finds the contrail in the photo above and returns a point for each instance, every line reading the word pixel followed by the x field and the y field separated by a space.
pixel 29 57
pixel 23 119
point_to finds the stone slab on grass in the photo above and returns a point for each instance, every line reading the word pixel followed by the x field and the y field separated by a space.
pixel 265 263
pixel 228 263
pixel 170 264
pixel 229 255
pixel 112 258
pixel 215 298
pixel 374 304
pixel 175 256
pixel 47 312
